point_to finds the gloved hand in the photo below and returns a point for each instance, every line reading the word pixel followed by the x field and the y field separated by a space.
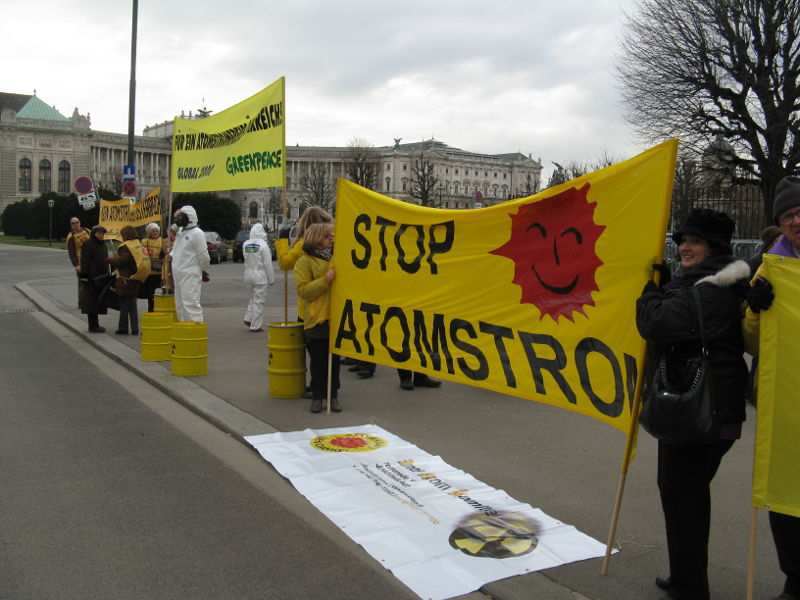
pixel 206 278
pixel 107 259
pixel 666 275
pixel 760 296
pixel 284 233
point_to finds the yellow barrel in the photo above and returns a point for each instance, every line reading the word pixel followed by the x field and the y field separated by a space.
pixel 156 336
pixel 165 304
pixel 189 348
pixel 287 360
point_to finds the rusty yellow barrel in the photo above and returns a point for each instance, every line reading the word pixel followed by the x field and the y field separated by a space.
pixel 189 348
pixel 287 360
pixel 156 336
pixel 165 304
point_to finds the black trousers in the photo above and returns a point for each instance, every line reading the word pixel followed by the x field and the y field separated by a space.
pixel 684 479
pixel 786 533
pixel 318 366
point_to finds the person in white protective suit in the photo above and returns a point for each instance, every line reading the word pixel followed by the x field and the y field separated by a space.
pixel 258 274
pixel 189 259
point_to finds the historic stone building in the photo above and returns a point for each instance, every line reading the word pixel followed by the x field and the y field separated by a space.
pixel 41 150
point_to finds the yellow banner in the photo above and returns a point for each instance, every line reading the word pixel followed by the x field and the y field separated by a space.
pixel 776 486
pixel 116 214
pixel 241 147
pixel 532 297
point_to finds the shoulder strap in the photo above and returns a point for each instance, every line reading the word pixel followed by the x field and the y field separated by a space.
pixel 696 295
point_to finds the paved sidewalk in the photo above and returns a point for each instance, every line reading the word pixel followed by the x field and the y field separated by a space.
pixel 563 463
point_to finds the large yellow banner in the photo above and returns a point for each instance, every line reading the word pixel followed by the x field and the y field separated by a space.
pixel 116 214
pixel 532 297
pixel 241 147
pixel 776 485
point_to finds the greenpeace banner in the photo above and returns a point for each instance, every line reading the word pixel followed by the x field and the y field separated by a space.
pixel 532 297
pixel 776 486
pixel 439 530
pixel 116 214
pixel 241 147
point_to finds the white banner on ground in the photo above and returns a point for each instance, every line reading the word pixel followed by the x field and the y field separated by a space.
pixel 439 530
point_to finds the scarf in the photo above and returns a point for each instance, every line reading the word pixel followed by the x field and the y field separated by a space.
pixel 323 253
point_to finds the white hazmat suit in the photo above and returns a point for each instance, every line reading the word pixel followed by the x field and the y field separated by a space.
pixel 258 274
pixel 189 260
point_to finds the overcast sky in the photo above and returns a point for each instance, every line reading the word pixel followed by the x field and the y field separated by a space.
pixel 513 75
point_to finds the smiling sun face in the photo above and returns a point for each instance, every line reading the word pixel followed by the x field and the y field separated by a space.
pixel 553 248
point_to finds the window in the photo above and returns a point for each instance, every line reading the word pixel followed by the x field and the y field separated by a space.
pixel 456 171
pixel 404 185
pixel 45 176
pixel 405 167
pixel 388 166
pixel 455 188
pixel 253 210
pixel 388 183
pixel 24 175
pixel 63 177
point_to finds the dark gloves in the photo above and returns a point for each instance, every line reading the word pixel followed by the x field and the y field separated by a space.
pixel 760 296
pixel 206 278
pixel 284 233
pixel 663 270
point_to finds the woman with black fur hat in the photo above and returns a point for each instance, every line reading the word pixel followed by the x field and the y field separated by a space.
pixel 667 318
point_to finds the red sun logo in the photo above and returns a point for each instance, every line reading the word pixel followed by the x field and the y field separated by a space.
pixel 553 248
pixel 348 442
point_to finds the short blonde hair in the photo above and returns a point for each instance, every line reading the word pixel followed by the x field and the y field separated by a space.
pixel 316 233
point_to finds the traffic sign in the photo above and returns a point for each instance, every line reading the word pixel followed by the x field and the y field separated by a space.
pixel 83 185
pixel 129 189
pixel 128 172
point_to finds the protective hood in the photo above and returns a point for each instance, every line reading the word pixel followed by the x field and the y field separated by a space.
pixel 257 231
pixel 190 212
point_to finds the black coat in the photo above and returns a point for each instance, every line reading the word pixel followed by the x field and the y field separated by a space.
pixel 93 263
pixel 669 319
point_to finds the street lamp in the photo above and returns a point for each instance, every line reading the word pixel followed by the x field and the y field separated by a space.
pixel 50 204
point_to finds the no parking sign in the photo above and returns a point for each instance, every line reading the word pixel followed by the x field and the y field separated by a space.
pixel 85 190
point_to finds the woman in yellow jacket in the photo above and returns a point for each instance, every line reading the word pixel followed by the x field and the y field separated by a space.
pixel 313 276
pixel 287 257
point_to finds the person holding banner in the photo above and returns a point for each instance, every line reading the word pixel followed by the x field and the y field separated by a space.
pixel 189 258
pixel 287 257
pixel 313 276
pixel 786 213
pixel 668 319
pixel 258 274
pixel 156 247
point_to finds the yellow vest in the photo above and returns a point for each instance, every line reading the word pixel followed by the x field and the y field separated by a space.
pixel 79 238
pixel 142 258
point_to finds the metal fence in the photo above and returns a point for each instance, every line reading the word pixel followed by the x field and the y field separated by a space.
pixel 743 203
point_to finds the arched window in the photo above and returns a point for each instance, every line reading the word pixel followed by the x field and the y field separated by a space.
pixel 455 188
pixel 388 183
pixel 24 175
pixel 253 210
pixel 63 177
pixel 45 176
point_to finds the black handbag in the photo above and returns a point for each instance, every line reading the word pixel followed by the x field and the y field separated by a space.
pixel 107 297
pixel 682 413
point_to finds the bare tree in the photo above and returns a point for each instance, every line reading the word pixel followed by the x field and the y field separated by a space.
pixel 697 69
pixel 424 181
pixel 316 186
pixel 362 163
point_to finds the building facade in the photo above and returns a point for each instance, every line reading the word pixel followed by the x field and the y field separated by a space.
pixel 41 150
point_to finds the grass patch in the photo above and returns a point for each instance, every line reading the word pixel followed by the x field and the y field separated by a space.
pixel 22 241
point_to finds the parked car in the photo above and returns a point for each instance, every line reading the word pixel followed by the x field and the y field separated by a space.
pixel 238 242
pixel 217 248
